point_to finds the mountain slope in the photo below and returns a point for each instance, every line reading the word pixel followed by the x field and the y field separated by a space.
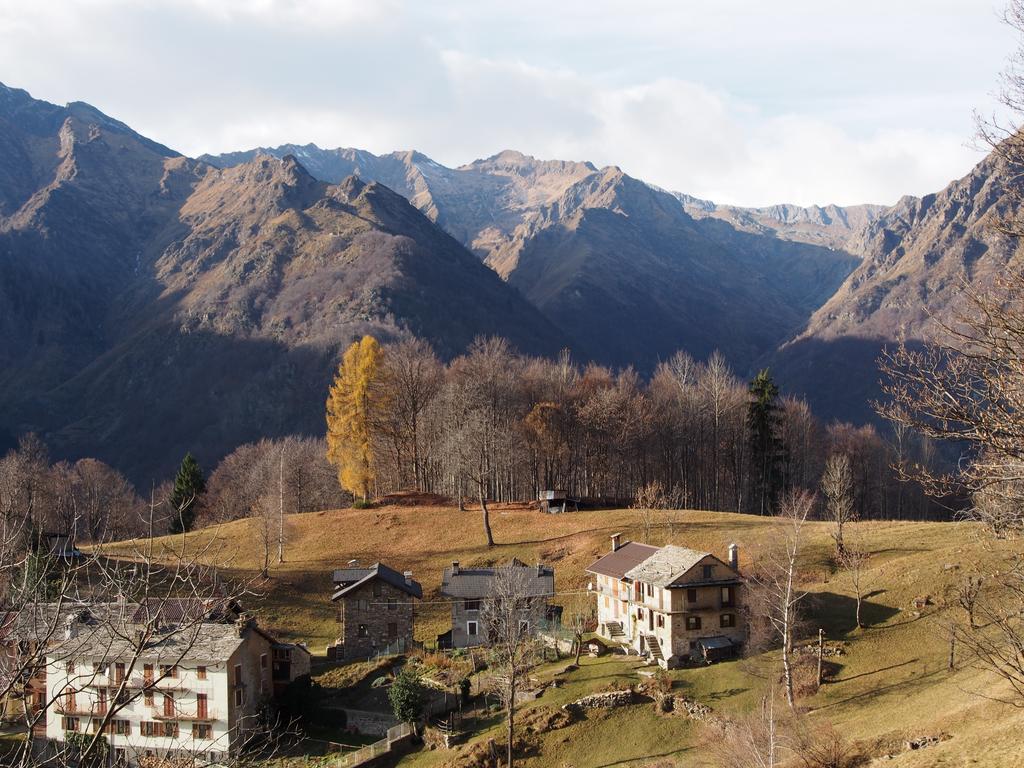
pixel 151 304
pixel 618 264
pixel 917 256
pixel 832 226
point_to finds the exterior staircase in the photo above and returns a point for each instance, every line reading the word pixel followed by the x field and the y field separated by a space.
pixel 615 632
pixel 654 649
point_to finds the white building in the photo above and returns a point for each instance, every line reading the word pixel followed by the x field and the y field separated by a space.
pixel 669 603
pixel 195 690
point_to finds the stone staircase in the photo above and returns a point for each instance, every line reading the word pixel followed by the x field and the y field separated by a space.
pixel 615 632
pixel 654 649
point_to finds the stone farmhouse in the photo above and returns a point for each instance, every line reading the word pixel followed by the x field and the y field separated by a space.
pixel 671 604
pixel 375 611
pixel 468 590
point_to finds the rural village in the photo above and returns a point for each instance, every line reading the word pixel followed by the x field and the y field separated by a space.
pixel 511 385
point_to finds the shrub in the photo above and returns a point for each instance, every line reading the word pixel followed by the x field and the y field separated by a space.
pixel 362 504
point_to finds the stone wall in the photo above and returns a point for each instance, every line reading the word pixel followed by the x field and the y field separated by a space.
pixel 366 616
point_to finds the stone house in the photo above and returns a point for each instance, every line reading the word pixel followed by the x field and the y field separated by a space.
pixel 670 603
pixel 469 588
pixel 375 611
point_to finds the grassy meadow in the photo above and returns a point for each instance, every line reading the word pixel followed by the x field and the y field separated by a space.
pixel 891 683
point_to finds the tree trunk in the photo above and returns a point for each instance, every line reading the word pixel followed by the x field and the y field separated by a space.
pixel 579 649
pixel 821 651
pixel 859 601
pixel 280 511
pixel 511 713
pixel 487 517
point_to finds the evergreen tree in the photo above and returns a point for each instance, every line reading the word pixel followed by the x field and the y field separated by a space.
pixel 349 447
pixel 189 486
pixel 766 448
pixel 407 696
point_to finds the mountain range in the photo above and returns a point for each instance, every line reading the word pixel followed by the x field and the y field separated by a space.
pixel 152 303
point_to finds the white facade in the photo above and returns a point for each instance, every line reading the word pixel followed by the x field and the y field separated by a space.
pixel 199 706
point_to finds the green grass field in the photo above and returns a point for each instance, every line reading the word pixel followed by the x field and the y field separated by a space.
pixel 891 684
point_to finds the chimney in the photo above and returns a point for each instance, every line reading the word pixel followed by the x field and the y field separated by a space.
pixel 71 626
pixel 734 557
pixel 540 569
pixel 455 567
pixel 616 541
pixel 408 577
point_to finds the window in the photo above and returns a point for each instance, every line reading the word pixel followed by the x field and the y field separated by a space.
pixel 200 730
pixel 202 711
pixel 392 630
pixel 120 727
pixel 363 631
pixel 524 626
pixel 693 622
pixel 378 589
pixel 392 604
pixel 148 728
pixel 472 605
pixel 70 724
pixel 709 572
pixel 147 674
pixel 70 667
pixel 650 590
pixel 200 673
pixel 471 628
pixel 238 674
pixel 239 696
pixel 118 672
pixel 661 620
pixel 168 705
pixel 363 605
pixel 263 661
pixel 167 670
pixel 170 730
pixel 728 620
pixel 691 595
pixel 99 669
pixel 147 698
pixel 726 596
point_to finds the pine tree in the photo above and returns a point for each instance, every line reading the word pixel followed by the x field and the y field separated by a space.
pixel 189 486
pixel 349 403
pixel 766 448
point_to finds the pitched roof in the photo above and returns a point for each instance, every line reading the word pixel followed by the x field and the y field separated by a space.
pixel 629 555
pixel 666 565
pixel 206 641
pixel 475 583
pixel 350 579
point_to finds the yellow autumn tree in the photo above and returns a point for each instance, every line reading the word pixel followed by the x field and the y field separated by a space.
pixel 349 446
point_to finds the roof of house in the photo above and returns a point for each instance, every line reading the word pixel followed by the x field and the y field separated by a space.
pixel 476 583
pixel 350 579
pixel 205 641
pixel 629 555
pixel 666 565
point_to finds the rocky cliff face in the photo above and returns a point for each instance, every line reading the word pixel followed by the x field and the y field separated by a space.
pixel 917 258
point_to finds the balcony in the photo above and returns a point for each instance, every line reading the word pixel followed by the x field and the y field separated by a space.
pixel 158 684
pixel 80 709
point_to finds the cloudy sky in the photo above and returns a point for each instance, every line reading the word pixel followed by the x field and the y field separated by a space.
pixel 740 101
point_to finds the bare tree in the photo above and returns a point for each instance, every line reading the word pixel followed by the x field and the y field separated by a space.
pixel 775 593
pixel 837 488
pixel 510 614
pixel 968 590
pixel 578 615
pixel 854 560
pixel 756 740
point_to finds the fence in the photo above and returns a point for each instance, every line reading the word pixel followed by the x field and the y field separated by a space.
pixel 377 749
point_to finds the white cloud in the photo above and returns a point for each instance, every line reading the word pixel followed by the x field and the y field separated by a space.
pixel 735 100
